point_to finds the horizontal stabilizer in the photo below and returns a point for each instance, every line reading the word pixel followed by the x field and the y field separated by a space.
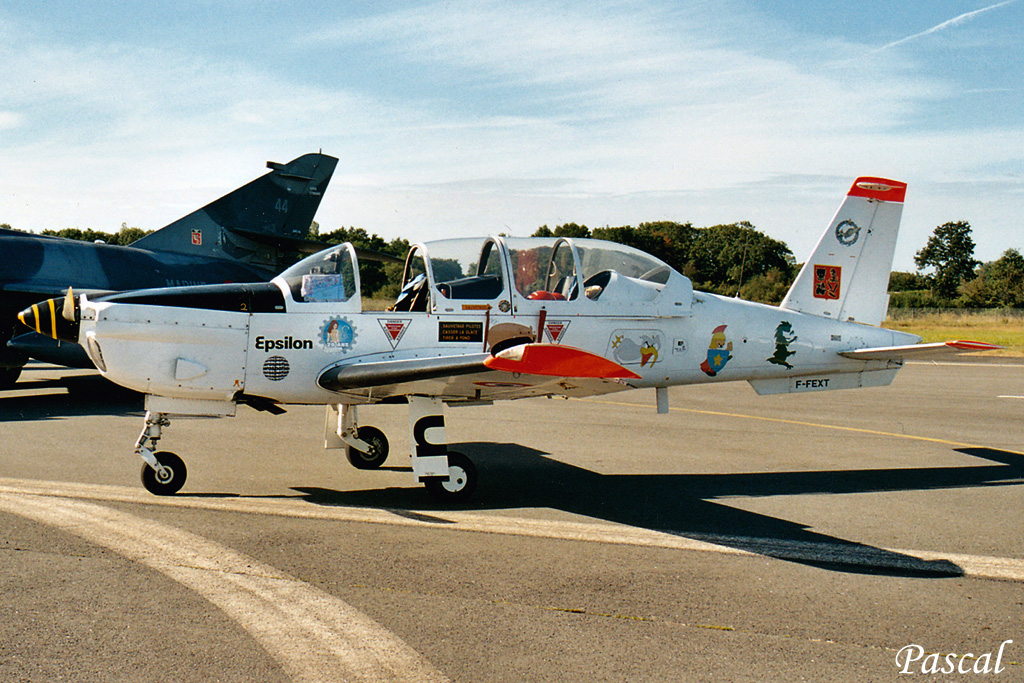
pixel 553 360
pixel 919 350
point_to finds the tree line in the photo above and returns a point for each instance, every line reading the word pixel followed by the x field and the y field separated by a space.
pixel 730 259
pixel 949 275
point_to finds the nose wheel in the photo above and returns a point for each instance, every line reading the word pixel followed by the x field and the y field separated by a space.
pixel 163 472
pixel 168 477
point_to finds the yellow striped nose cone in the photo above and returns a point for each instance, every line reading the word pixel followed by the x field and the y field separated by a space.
pixel 31 318
pixel 45 318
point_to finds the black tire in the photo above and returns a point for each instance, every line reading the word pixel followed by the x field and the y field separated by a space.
pixel 378 450
pixel 174 475
pixel 8 376
pixel 461 484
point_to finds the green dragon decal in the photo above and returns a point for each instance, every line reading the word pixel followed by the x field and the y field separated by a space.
pixel 784 336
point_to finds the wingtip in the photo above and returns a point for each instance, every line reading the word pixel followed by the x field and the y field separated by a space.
pixel 968 345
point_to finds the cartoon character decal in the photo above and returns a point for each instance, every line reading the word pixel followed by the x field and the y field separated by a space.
pixel 629 347
pixel 784 336
pixel 719 352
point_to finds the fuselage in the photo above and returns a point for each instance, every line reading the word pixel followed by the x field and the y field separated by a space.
pixel 274 340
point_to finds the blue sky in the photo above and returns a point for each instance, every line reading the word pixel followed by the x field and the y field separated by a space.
pixel 459 119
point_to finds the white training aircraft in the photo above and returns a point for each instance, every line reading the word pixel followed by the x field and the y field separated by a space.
pixel 480 320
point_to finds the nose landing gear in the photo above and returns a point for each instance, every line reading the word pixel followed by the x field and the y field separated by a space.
pixel 163 472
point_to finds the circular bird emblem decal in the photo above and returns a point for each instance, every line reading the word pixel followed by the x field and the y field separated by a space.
pixel 847 233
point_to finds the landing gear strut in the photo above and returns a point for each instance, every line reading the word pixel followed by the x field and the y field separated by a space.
pixel 163 472
pixel 449 476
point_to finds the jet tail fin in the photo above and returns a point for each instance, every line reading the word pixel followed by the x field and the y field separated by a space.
pixel 249 223
pixel 847 277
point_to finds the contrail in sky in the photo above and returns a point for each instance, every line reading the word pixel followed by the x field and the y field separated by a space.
pixel 955 21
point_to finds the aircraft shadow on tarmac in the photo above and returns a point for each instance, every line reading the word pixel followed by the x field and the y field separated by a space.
pixel 84 395
pixel 514 476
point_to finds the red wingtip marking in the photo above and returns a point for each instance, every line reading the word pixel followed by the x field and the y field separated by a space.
pixel 967 345
pixel 552 360
pixel 878 188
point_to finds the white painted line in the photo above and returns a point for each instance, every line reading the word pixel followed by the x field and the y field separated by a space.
pixel 976 566
pixel 1011 397
pixel 313 635
pixel 1019 366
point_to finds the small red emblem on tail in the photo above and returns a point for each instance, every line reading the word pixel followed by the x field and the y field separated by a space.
pixel 827 280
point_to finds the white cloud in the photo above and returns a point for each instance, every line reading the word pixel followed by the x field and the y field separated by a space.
pixel 10 119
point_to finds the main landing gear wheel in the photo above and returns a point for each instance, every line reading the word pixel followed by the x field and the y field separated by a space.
pixel 461 482
pixel 169 479
pixel 377 454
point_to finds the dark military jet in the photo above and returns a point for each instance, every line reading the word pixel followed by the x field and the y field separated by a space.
pixel 248 235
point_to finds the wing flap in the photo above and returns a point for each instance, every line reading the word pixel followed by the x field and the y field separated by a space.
pixel 899 353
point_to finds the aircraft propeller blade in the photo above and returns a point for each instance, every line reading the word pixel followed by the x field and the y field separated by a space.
pixel 68 312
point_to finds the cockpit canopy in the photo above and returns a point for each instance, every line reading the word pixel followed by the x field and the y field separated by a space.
pixel 330 277
pixel 505 274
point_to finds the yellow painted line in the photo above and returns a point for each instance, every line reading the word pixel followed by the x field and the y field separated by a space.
pixel 798 423
pixel 35 314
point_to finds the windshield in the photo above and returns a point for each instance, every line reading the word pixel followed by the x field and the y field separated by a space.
pixel 543 268
pixel 466 268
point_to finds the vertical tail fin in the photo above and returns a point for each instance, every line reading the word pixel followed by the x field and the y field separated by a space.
pixel 847 276
pixel 246 224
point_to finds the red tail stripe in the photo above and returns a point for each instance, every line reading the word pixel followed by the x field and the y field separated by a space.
pixel 878 188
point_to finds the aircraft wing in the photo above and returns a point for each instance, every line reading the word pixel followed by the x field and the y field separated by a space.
pixel 900 353
pixel 390 372
pixel 519 372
